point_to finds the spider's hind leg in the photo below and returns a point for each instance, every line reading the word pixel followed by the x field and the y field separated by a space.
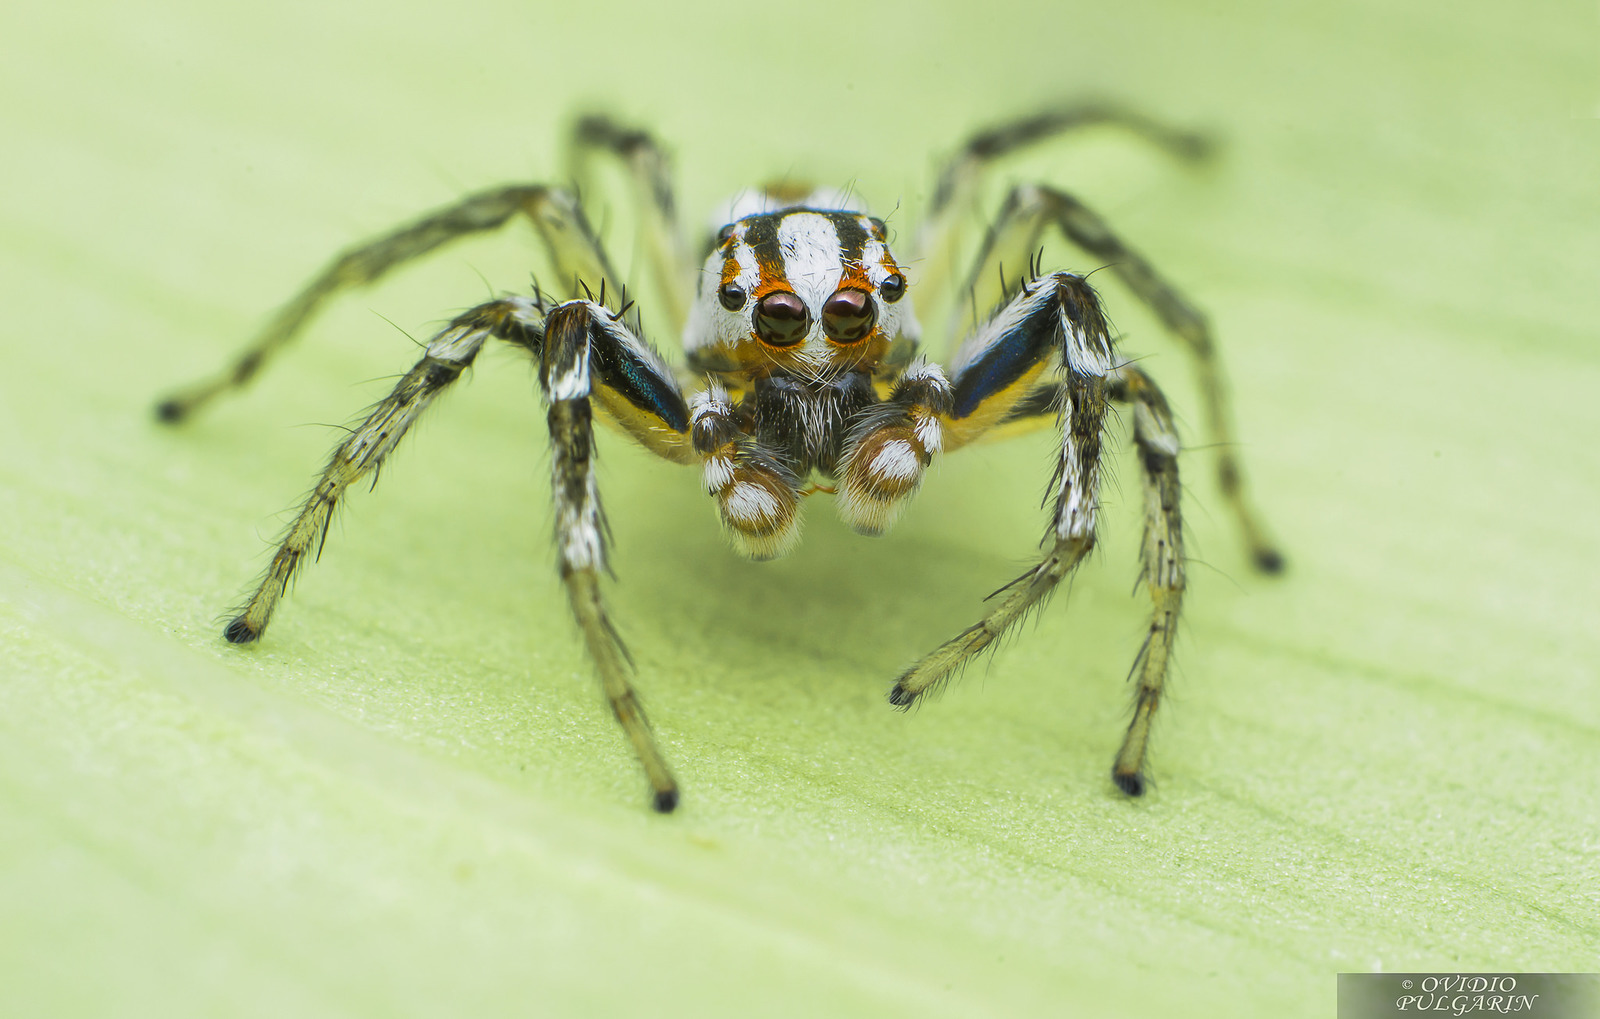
pixel 574 247
pixel 960 179
pixel 1162 561
pixel 1013 240
pixel 649 172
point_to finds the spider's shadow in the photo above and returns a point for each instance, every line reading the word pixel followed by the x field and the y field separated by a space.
pixel 842 601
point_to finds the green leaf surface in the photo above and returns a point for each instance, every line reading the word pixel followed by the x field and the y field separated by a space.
pixel 409 799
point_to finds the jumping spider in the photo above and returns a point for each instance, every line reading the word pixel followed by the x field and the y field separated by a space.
pixel 802 358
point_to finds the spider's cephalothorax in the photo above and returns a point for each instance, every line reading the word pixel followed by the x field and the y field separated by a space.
pixel 800 311
pixel 803 365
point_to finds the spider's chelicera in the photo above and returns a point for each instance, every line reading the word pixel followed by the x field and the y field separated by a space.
pixel 802 360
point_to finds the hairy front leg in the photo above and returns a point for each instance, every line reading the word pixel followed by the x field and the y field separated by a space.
pixel 572 370
pixel 1076 489
pixel 1053 325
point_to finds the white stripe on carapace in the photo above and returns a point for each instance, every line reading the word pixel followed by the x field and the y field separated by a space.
pixel 744 256
pixel 873 253
pixel 808 244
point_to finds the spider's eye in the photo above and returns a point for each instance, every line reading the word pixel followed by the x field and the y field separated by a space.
pixel 782 319
pixel 724 234
pixel 893 288
pixel 848 316
pixel 732 296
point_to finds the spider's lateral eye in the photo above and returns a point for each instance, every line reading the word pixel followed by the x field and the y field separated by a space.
pixel 732 296
pixel 725 233
pixel 893 288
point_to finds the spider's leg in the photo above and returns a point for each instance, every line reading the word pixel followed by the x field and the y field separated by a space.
pixel 1161 553
pixel 1161 550
pixel 650 179
pixel 1056 324
pixel 574 247
pixel 1027 211
pixel 942 234
pixel 589 355
pixel 520 320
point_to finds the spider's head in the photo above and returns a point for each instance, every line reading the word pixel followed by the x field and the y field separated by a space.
pixel 812 291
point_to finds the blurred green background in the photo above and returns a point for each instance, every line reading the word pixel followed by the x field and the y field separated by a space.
pixel 409 799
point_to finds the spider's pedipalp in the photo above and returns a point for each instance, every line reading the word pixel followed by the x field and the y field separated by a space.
pixel 890 447
pixel 757 494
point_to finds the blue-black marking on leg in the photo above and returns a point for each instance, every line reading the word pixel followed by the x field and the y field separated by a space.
pixel 613 363
pixel 638 381
pixel 1007 359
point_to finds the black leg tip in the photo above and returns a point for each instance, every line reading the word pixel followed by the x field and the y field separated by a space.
pixel 1269 560
pixel 900 697
pixel 665 801
pixel 1133 784
pixel 169 411
pixel 239 632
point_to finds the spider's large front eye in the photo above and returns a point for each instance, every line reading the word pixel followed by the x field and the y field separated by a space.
pixel 848 316
pixel 782 319
pixel 732 296
pixel 893 288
